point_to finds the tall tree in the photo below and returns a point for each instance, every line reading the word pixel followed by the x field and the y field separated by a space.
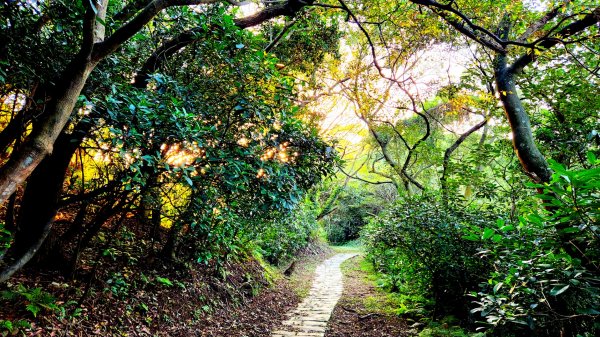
pixel 93 48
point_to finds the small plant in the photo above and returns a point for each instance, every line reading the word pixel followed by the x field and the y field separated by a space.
pixel 446 330
pixel 35 300
pixel 5 239
pixel 164 281
pixel 11 328
pixel 142 307
pixel 118 286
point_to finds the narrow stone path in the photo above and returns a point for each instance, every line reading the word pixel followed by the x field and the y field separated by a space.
pixel 310 318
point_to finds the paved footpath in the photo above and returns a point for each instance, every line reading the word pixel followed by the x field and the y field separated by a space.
pixel 310 318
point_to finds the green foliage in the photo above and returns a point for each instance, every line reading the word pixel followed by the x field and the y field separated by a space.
pixel 118 285
pixel 5 239
pixel 12 328
pixel 228 147
pixel 164 281
pixel 212 147
pixel 354 206
pixel 216 147
pixel 444 330
pixel 22 67
pixel 567 125
pixel 418 245
pixel 32 300
pixel 546 267
pixel 313 33
pixel 391 303
pixel 287 234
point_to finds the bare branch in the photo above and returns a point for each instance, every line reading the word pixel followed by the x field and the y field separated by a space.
pixel 121 35
pixel 464 25
pixel 365 180
pixel 536 26
pixel 574 28
pixel 170 47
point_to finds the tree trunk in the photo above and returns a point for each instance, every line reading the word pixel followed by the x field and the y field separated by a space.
pixel 168 250
pixel 41 141
pixel 532 160
pixel 40 199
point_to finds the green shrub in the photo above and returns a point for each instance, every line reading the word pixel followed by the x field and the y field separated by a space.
pixel 281 239
pixel 355 206
pixel 419 247
pixel 545 279
pixel 12 328
pixel 33 300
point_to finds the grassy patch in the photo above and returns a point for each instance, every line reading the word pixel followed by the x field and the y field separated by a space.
pixel 444 330
pixel 403 304
pixel 375 302
pixel 349 247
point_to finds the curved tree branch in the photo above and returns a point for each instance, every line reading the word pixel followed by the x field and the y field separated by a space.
pixel 450 150
pixel 574 28
pixel 125 32
pixel 26 257
pixel 171 47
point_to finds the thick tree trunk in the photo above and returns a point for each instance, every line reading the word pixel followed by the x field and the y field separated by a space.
pixel 40 200
pixel 41 141
pixel 532 160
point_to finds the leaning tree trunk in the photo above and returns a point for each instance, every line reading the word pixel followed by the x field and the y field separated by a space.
pixel 40 199
pixel 532 160
pixel 41 141
pixel 65 95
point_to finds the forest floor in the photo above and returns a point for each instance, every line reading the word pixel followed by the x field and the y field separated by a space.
pixel 198 304
pixel 156 300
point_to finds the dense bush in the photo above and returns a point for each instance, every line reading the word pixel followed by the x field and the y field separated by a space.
pixel 281 239
pixel 355 206
pixel 419 247
pixel 536 276
pixel 545 278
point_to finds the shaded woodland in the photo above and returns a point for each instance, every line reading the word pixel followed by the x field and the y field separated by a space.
pixel 151 146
